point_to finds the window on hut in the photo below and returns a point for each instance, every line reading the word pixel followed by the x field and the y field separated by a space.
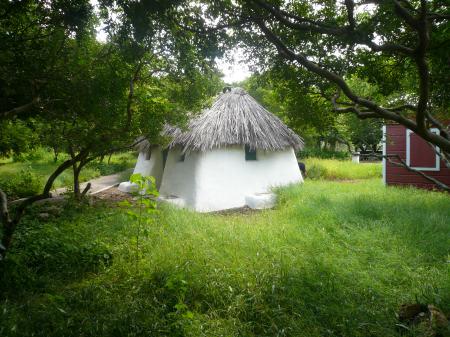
pixel 250 154
pixel 182 157
pixel 148 155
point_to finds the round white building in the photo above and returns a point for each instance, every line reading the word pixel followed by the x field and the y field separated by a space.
pixel 231 156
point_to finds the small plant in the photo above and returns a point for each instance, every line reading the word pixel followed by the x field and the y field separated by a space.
pixel 146 194
pixel 181 315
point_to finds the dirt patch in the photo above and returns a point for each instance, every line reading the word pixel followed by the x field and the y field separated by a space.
pixel 113 195
pixel 237 211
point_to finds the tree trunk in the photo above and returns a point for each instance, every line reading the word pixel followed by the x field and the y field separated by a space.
pixel 76 177
pixel 76 180
pixel 55 154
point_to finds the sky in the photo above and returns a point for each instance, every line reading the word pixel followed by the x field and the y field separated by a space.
pixel 234 67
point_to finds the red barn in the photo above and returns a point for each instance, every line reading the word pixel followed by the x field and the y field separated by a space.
pixel 417 153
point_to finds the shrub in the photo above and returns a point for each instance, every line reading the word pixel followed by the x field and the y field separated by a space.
pixel 24 184
pixel 323 154
pixel 37 154
pixel 317 171
pixel 111 168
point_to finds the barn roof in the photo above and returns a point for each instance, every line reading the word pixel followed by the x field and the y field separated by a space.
pixel 235 118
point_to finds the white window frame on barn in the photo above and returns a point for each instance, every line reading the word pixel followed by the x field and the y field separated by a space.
pixel 437 166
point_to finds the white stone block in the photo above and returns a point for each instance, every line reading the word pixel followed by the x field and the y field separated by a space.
pixel 127 187
pixel 260 200
pixel 355 157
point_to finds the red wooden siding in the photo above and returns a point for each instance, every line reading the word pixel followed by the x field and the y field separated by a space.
pixel 421 155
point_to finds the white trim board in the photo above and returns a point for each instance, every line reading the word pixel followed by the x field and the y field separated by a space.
pixel 384 140
pixel 437 166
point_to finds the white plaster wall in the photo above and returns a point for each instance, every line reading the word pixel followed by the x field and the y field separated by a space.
pixel 225 177
pixel 221 178
pixel 152 167
pixel 179 177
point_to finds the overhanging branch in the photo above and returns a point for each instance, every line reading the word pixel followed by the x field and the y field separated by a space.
pixel 370 106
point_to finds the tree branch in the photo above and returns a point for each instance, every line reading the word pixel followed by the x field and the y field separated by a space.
pixel 376 110
pixel 350 5
pixel 304 24
pixel 21 109
pixel 405 15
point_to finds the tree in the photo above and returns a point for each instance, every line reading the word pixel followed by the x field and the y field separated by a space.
pixel 365 135
pixel 33 35
pixel 288 93
pixel 406 40
pixel 94 97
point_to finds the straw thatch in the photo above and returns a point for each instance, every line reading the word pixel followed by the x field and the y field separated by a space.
pixel 143 145
pixel 235 118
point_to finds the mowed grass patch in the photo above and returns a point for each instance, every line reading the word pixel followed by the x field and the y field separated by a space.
pixel 334 169
pixel 332 259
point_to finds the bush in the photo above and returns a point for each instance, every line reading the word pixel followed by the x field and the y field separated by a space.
pixel 317 171
pixel 38 154
pixel 24 184
pixel 323 154
pixel 111 168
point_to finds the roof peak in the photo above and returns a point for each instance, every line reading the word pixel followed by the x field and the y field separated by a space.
pixel 238 91
pixel 234 90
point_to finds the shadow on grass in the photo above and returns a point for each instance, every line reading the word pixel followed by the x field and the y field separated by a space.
pixel 311 301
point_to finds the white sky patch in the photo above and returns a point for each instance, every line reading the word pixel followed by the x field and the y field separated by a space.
pixel 100 31
pixel 101 34
pixel 366 8
pixel 234 66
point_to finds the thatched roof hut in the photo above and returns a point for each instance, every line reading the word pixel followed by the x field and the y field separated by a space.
pixel 231 155
pixel 235 118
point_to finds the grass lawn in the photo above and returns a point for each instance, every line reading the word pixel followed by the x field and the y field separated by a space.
pixel 333 169
pixel 332 259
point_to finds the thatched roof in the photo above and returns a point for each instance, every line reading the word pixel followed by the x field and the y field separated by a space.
pixel 143 145
pixel 235 118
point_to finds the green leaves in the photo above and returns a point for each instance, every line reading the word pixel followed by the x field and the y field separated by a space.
pixel 143 214
pixel 146 187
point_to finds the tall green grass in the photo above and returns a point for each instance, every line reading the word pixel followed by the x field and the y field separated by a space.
pixel 333 169
pixel 332 259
